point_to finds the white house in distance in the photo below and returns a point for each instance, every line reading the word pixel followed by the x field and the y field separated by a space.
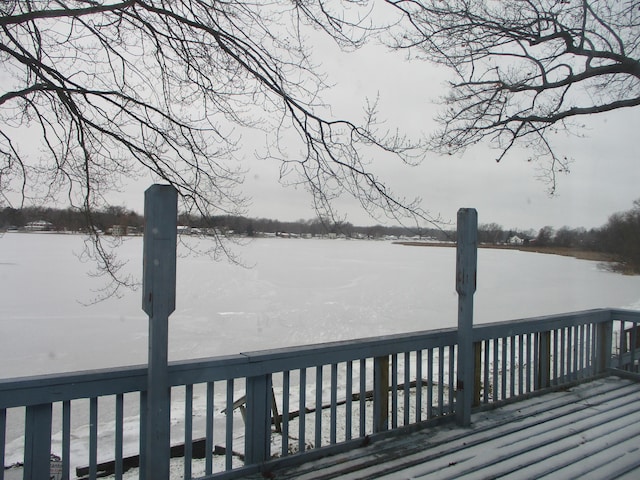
pixel 38 226
pixel 515 240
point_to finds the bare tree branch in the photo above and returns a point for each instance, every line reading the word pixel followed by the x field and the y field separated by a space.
pixel 524 68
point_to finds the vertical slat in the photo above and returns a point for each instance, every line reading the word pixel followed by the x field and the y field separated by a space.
pixel 452 376
pixel 581 351
pixel 407 386
pixel 208 453
pixel 505 369
pixel 394 390
pixel 119 434
pixel 3 439
pixel 569 353
pixel 633 346
pixel 430 383
pixel 418 386
pixel 576 352
pixel 302 402
pixel 485 379
pixel 529 361
pixel 621 344
pixel 228 442
pixel 563 352
pixel 286 382
pixel 188 430
pixel 143 435
pixel 66 439
pixel 536 360
pixel 587 354
pixel 521 362
pixel 334 403
pixel 37 441
pixel 348 421
pixel 512 366
pixel 496 387
pixel 555 357
pixel 93 438
pixel 441 380
pixel 363 393
pixel 318 414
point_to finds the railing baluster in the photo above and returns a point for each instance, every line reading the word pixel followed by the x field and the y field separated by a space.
pixel 563 353
pixel 485 373
pixel 143 435
pixel 93 438
pixel 302 407
pixel 587 354
pixel 118 434
pixel 430 383
pixel 512 366
pixel 521 362
pixel 407 386
pixel 363 393
pixel 348 421
pixel 334 403
pixel 188 430
pixel 3 439
pixel 505 367
pixel 208 452
pixel 496 389
pixel 632 346
pixel 554 358
pixel 418 386
pixel 441 381
pixel 452 376
pixel 536 361
pixel 66 439
pixel 394 390
pixel 228 442
pixel 318 414
pixel 286 382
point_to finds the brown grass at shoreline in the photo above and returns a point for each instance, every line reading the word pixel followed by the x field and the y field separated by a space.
pixel 566 252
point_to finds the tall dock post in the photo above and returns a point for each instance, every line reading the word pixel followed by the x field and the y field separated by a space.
pixel 466 273
pixel 159 301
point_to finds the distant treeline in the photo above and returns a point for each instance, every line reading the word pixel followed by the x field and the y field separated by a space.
pixel 119 219
pixel 619 237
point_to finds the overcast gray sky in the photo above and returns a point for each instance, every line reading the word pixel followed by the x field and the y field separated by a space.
pixel 604 177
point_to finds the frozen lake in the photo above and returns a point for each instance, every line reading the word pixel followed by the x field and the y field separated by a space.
pixel 295 292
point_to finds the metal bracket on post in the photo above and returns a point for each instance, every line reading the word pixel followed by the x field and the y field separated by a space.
pixel 466 277
pixel 159 301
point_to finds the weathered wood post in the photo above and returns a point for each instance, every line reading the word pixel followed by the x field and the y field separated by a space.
pixel 466 268
pixel 159 301
pixel 381 394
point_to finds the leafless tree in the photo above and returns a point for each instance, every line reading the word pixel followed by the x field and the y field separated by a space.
pixel 525 68
pixel 95 91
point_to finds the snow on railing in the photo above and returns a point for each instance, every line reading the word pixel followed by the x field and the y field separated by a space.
pixel 233 415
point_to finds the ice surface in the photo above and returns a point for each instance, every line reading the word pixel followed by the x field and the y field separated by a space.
pixel 294 292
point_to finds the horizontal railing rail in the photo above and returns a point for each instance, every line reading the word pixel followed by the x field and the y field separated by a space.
pixel 232 414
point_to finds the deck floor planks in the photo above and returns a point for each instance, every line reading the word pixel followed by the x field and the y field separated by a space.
pixel 593 424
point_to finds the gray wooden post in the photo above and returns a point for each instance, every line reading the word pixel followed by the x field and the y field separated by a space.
pixel 258 420
pixel 466 267
pixel 381 394
pixel 159 301
pixel 37 442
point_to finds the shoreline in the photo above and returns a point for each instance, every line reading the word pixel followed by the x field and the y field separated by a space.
pixel 563 251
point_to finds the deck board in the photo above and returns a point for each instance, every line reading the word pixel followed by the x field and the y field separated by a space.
pixel 588 431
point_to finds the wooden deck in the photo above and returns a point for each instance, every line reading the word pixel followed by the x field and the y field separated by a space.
pixel 590 431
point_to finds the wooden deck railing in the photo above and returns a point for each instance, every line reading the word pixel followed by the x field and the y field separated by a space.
pixel 309 399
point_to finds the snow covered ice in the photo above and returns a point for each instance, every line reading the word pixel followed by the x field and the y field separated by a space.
pixel 293 292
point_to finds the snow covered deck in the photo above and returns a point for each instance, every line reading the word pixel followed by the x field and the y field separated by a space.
pixel 589 431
